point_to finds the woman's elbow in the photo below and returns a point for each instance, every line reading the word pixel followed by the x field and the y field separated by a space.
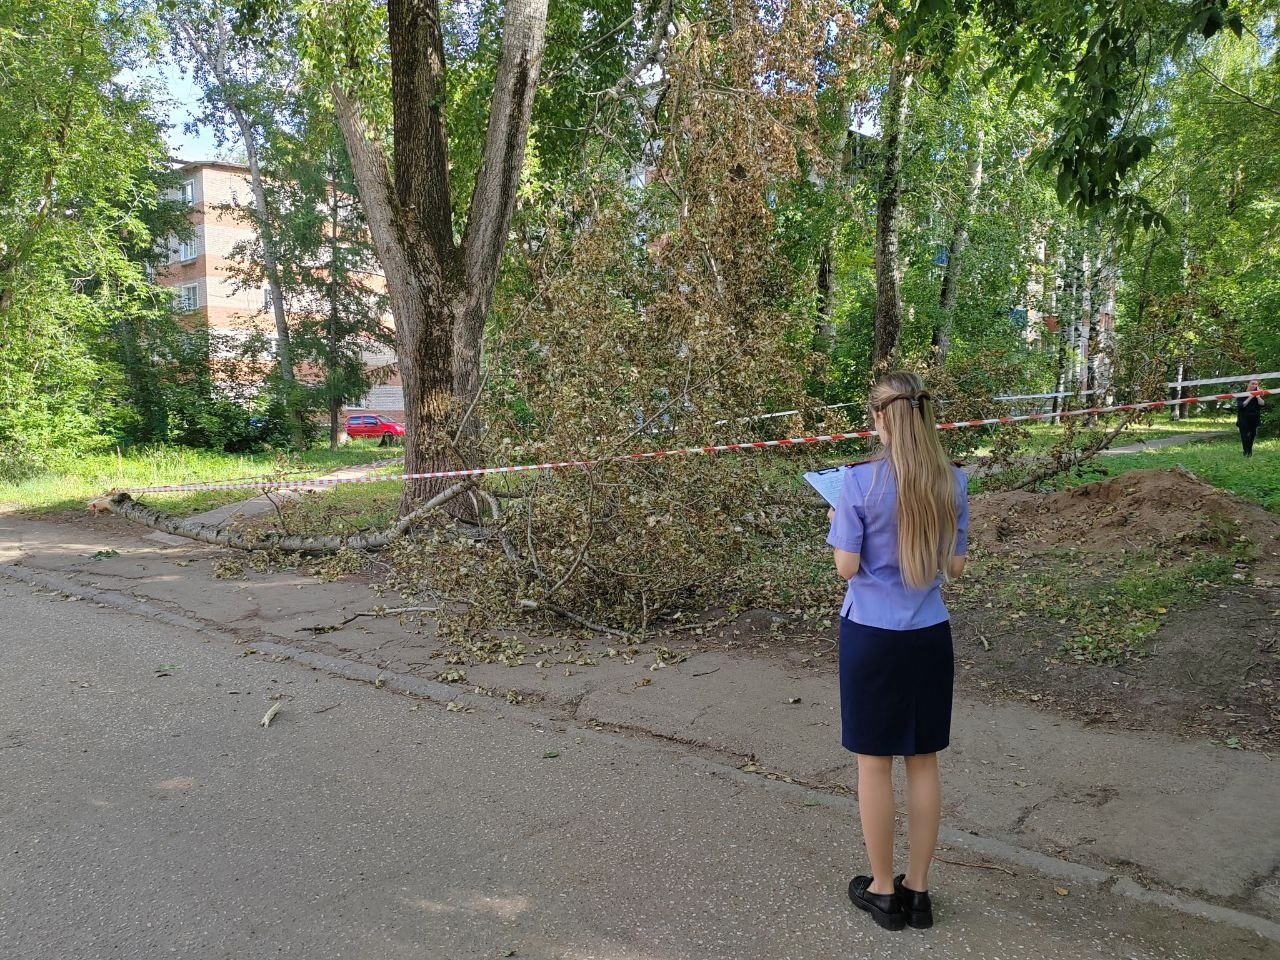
pixel 847 564
pixel 955 567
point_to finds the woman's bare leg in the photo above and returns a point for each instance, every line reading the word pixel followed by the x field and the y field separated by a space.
pixel 924 810
pixel 876 809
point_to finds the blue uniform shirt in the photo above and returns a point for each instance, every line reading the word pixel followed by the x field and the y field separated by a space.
pixel 866 523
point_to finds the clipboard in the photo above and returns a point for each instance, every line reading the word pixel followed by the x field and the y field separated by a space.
pixel 827 482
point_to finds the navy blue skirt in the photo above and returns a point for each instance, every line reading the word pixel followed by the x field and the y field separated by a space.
pixel 895 689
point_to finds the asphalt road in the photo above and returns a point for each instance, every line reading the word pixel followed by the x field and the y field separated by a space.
pixel 144 813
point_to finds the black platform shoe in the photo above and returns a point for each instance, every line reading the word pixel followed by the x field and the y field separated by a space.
pixel 885 908
pixel 916 906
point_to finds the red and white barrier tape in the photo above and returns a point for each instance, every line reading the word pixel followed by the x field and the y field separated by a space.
pixel 268 484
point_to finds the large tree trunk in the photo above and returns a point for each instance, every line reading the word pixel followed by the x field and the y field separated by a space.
pixel 893 121
pixel 415 294
pixel 426 371
pixel 439 291
pixel 955 251
pixel 125 506
pixel 467 380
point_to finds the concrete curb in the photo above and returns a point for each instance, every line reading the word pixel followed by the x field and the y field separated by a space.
pixel 113 598
pixel 1197 908
pixel 1043 864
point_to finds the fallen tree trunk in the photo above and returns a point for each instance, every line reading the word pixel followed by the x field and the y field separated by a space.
pixel 125 506
pixel 1072 459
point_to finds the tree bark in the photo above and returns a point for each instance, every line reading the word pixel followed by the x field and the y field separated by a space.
pixel 893 121
pixel 270 262
pixel 955 251
pixel 440 292
pixel 335 397
pixel 1179 410
pixel 1092 358
pixel 212 50
pixel 1065 332
pixel 493 200
pixel 824 333
pixel 125 506
pixel 1060 381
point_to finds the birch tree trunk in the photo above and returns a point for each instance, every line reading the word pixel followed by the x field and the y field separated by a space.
pixel 212 49
pixel 270 262
pixel 893 120
pixel 332 334
pixel 1067 305
pixel 955 251
pixel 1092 342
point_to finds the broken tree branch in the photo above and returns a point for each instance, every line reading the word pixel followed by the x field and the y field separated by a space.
pixel 394 611
pixel 270 715
pixel 125 506
pixel 533 605
pixel 976 866
pixel 1059 465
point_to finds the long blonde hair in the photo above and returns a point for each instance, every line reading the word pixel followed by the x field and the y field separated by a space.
pixel 927 511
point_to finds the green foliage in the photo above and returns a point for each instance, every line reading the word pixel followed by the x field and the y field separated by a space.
pixel 80 155
pixel 1217 269
pixel 328 274
pixel 1096 58
pixel 649 316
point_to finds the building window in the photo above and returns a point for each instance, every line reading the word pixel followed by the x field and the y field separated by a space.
pixel 188 297
pixel 187 250
pixel 189 192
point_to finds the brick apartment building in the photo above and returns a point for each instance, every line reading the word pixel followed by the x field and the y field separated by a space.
pixel 200 273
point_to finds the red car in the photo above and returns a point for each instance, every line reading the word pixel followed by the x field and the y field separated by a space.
pixel 369 425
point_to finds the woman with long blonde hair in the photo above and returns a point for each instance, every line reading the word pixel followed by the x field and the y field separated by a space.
pixel 899 528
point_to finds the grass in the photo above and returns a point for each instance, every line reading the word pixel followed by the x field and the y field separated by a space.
pixel 70 484
pixel 340 511
pixel 1044 435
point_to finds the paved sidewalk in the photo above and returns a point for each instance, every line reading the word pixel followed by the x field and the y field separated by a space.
pixel 1161 442
pixel 145 813
pixel 974 467
pixel 1168 813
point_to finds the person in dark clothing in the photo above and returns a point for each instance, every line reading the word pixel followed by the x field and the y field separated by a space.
pixel 1248 416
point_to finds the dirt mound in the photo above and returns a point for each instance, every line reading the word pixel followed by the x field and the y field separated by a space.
pixel 1141 509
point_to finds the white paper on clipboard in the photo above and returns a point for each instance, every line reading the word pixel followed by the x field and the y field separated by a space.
pixel 827 482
